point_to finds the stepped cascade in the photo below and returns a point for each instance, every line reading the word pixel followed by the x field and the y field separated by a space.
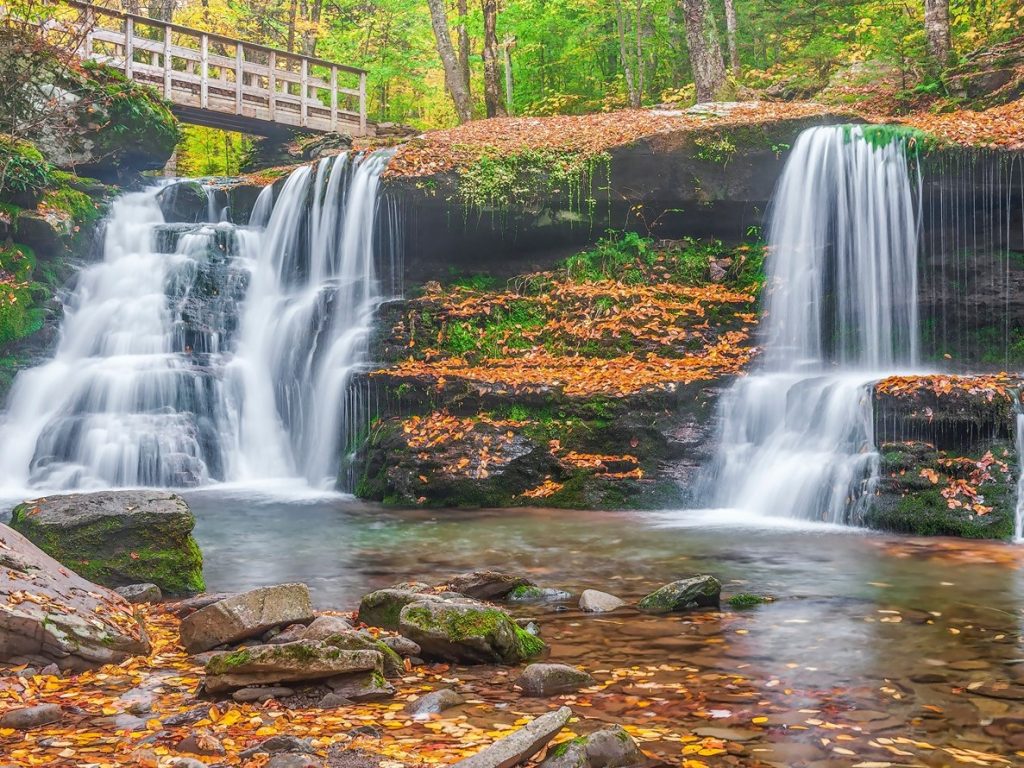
pixel 841 310
pixel 195 353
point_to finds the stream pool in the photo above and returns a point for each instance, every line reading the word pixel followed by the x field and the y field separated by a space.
pixel 876 649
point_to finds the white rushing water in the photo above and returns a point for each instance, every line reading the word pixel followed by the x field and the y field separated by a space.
pixel 797 436
pixel 200 353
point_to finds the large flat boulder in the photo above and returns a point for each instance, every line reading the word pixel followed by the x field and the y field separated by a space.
pixel 467 631
pixel 247 615
pixel 684 595
pixel 288 663
pixel 118 538
pixel 51 614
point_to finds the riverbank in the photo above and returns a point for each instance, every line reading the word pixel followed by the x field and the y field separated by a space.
pixel 896 645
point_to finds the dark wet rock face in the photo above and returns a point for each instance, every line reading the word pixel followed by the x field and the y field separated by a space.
pixel 76 624
pixel 118 538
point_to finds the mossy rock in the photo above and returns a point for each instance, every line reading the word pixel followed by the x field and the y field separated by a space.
pixel 287 663
pixel 384 607
pixel 467 631
pixel 684 595
pixel 118 538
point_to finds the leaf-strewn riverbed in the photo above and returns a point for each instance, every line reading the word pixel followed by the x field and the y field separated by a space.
pixel 875 651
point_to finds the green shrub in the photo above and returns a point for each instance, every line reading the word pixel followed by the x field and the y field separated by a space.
pixel 24 173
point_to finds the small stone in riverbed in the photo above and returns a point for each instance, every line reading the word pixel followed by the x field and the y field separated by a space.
pixel 531 594
pixel 486 585
pixel 289 634
pixel 519 746
pixel 245 695
pixel 403 646
pixel 326 626
pixel 593 601
pixel 51 670
pixel 362 686
pixel 140 593
pixel 544 680
pixel 292 760
pixel 333 701
pixel 187 762
pixel 201 742
pixel 282 743
pixel 683 595
pixel 31 717
pixel 188 717
pixel 612 748
pixel 433 703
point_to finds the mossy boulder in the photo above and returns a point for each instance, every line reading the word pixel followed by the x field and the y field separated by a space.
pixel 383 607
pixel 684 595
pixel 486 585
pixel 467 631
pixel 610 747
pixel 184 202
pixel 118 538
pixel 288 663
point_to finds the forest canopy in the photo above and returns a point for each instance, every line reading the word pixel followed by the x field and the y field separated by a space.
pixel 579 56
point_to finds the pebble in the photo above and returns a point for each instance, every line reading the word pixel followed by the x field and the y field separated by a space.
pixel 31 717
pixel 293 760
pixel 244 695
pixel 433 703
pixel 201 742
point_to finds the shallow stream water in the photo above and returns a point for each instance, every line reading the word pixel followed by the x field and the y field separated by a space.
pixel 875 649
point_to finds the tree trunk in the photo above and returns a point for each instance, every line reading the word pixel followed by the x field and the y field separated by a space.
pixel 492 91
pixel 730 37
pixel 506 48
pixel 458 86
pixel 705 52
pixel 627 66
pixel 162 9
pixel 293 11
pixel 936 27
pixel 463 32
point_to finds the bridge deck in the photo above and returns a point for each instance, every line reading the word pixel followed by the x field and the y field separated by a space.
pixel 222 82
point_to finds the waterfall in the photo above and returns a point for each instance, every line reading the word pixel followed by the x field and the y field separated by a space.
pixel 797 436
pixel 197 353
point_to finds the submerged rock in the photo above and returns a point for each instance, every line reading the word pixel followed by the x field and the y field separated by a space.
pixel 521 745
pixel 531 594
pixel 71 622
pixel 118 538
pixel 683 595
pixel 467 631
pixel 24 718
pixel 593 601
pixel 289 663
pixel 434 703
pixel 245 616
pixel 544 680
pixel 486 585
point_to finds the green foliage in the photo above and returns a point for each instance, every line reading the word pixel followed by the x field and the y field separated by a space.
pixel 212 152
pixel 612 258
pixel 532 177
pixel 480 282
pixel 913 140
pixel 743 600
pixel 715 149
pixel 20 315
pixel 492 335
pixel 23 171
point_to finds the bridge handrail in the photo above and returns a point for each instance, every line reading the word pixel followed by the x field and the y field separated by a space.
pixel 192 31
pixel 243 95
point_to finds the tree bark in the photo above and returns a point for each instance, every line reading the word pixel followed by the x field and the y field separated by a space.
pixel 936 27
pixel 458 86
pixel 463 32
pixel 506 49
pixel 627 66
pixel 492 91
pixel 730 37
pixel 705 51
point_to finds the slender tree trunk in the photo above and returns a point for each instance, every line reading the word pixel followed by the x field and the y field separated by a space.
pixel 638 30
pixel 293 11
pixel 458 86
pixel 936 27
pixel 705 52
pixel 463 33
pixel 627 66
pixel 162 9
pixel 730 37
pixel 506 49
pixel 310 36
pixel 492 91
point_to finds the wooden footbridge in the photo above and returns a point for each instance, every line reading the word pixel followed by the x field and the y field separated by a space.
pixel 219 81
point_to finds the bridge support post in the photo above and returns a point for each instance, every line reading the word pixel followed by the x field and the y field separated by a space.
pixel 239 76
pixel 129 46
pixel 273 86
pixel 334 99
pixel 168 68
pixel 204 71
pixel 304 97
pixel 362 103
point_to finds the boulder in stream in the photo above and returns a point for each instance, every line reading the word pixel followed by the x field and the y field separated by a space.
pixel 288 663
pixel 52 615
pixel 118 538
pixel 608 748
pixel 593 601
pixel 467 631
pixel 486 585
pixel 545 680
pixel 245 616
pixel 684 595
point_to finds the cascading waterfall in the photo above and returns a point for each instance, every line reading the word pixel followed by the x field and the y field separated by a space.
pixel 208 352
pixel 797 435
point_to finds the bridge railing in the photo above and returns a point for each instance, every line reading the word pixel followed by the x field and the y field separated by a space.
pixel 205 71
